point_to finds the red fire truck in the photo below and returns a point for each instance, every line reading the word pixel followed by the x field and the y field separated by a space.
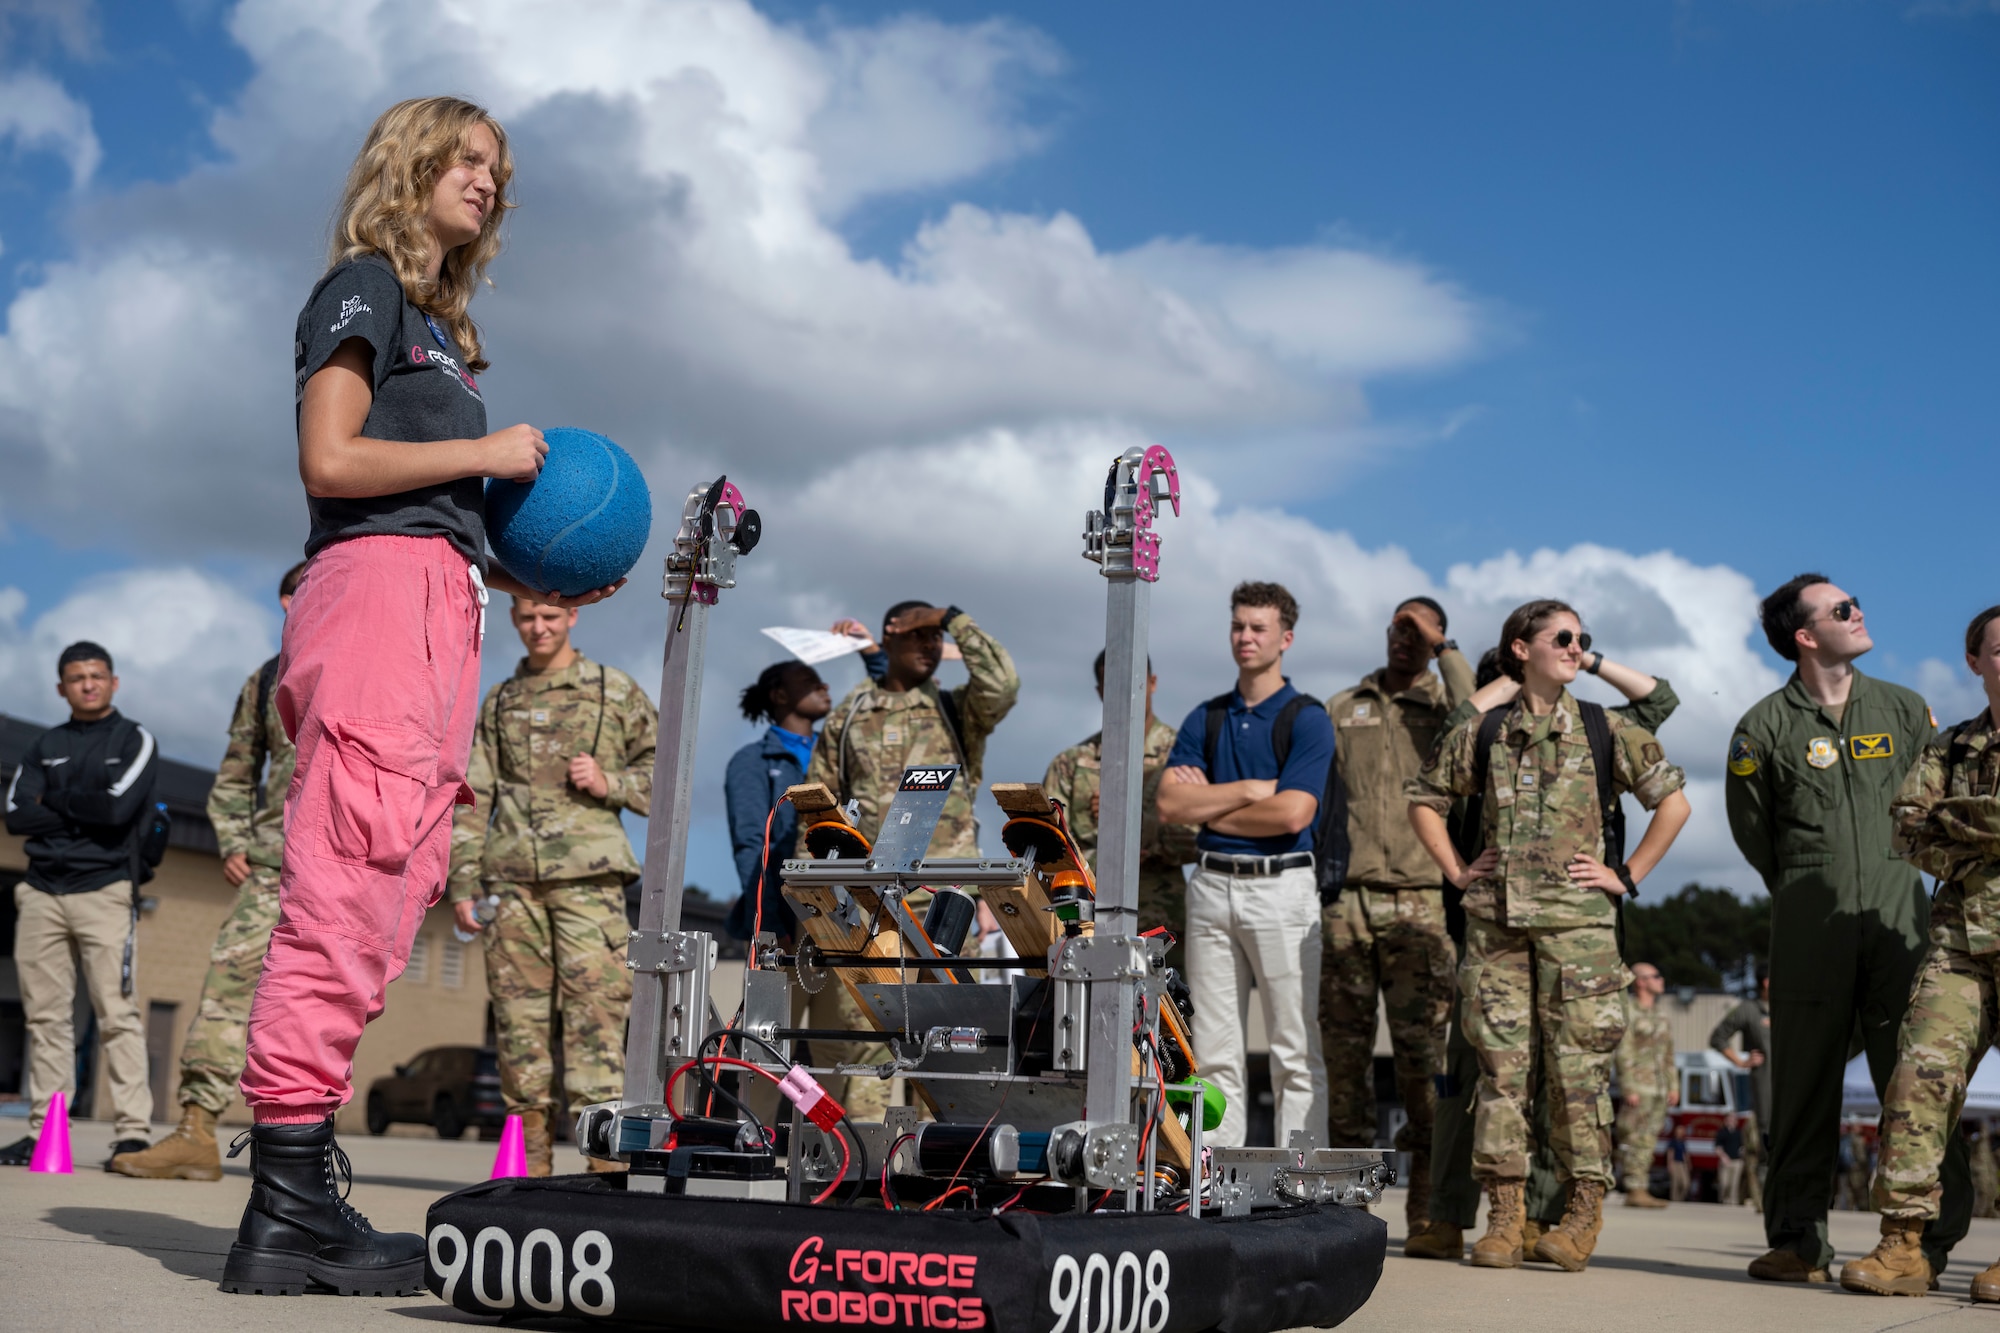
pixel 1712 1090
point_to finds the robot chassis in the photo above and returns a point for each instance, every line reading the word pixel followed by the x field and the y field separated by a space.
pixel 1060 1177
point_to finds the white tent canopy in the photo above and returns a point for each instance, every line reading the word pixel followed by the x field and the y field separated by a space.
pixel 1982 1095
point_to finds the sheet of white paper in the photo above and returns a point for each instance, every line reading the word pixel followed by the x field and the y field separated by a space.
pixel 813 646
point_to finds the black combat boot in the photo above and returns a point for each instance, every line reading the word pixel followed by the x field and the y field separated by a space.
pixel 298 1228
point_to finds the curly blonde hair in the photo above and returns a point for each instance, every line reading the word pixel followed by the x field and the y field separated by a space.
pixel 385 206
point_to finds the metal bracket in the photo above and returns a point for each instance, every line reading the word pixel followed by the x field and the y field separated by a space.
pixel 767 1006
pixel 1100 958
pixel 1096 1156
pixel 1248 1178
pixel 680 963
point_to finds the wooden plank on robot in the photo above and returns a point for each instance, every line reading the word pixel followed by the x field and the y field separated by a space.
pixel 813 802
pixel 1020 798
pixel 1175 1146
pixel 1025 919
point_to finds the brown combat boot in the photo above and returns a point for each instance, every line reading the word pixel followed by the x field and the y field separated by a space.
pixel 1417 1206
pixel 1986 1286
pixel 1435 1240
pixel 1641 1196
pixel 1532 1231
pixel 1896 1266
pixel 1500 1247
pixel 189 1153
pixel 1782 1265
pixel 540 1146
pixel 1569 1243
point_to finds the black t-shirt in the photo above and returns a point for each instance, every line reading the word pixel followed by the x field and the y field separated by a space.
pixel 422 392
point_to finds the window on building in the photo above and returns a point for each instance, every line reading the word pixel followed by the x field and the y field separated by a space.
pixel 451 969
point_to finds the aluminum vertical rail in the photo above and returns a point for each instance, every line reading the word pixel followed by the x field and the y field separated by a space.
pixel 715 528
pixel 1120 539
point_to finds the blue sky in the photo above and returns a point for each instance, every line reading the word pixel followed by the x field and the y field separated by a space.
pixel 1710 282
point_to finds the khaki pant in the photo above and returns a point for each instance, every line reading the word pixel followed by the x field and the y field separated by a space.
pixel 96 924
pixel 1728 1180
pixel 1264 928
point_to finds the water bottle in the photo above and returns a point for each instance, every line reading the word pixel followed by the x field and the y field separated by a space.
pixel 485 910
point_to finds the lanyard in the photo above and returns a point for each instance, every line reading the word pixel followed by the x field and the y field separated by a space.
pixel 437 333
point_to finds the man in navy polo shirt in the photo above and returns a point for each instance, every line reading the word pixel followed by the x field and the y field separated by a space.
pixel 1253 905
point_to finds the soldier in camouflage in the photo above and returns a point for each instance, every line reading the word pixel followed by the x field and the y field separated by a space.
pixel 246 806
pixel 1648 1081
pixel 1163 848
pixel 1386 932
pixel 1947 822
pixel 883 727
pixel 1541 961
pixel 562 746
pixel 1454 1192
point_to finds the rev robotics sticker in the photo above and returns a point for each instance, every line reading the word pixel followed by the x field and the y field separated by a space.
pixel 1879 746
pixel 1821 752
pixel 1742 757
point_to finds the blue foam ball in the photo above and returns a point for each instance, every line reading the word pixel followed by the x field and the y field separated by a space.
pixel 580 525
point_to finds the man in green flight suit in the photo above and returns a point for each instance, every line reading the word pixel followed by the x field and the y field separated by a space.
pixel 1073 778
pixel 246 806
pixel 1812 771
pixel 883 727
pixel 562 746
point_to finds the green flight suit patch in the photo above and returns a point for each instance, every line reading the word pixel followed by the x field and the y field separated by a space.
pixel 1879 746
pixel 1821 752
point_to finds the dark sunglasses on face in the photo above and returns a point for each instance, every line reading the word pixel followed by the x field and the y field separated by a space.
pixel 1844 610
pixel 1564 638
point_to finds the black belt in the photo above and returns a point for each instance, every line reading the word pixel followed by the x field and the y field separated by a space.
pixel 1253 866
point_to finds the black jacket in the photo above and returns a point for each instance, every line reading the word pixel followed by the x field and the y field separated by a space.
pixel 77 798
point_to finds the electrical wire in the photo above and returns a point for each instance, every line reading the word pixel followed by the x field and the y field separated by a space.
pixel 845 1158
pixel 888 1191
pixel 763 873
pixel 955 1189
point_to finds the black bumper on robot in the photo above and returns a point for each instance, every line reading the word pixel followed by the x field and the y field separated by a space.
pixel 581 1245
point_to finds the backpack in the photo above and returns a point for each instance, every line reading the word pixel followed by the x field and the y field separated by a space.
pixel 267 679
pixel 1468 834
pixel 152 828
pixel 1331 846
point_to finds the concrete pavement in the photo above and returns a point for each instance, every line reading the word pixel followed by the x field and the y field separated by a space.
pixel 92 1251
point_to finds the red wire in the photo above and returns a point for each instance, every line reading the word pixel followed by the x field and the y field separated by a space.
pixel 955 1189
pixel 845 1158
pixel 763 872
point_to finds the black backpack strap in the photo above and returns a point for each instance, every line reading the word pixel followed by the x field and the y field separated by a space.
pixel 1956 754
pixel 948 708
pixel 1490 723
pixel 1215 713
pixel 1597 730
pixel 1281 726
pixel 267 680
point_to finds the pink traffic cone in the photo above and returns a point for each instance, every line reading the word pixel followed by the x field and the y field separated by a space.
pixel 512 1159
pixel 51 1154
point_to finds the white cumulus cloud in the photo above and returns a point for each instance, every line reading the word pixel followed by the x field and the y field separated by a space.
pixel 38 115
pixel 182 642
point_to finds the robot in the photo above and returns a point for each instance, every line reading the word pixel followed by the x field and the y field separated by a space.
pixel 1053 1176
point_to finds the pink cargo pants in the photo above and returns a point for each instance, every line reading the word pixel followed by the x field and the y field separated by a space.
pixel 378 686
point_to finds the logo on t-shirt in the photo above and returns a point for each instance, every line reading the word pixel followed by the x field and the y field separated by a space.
pixel 349 308
pixel 425 356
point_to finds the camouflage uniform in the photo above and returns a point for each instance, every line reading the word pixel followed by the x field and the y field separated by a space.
pixel 1163 848
pixel 871 736
pixel 1454 1195
pixel 558 859
pixel 1541 960
pixel 249 818
pixel 1386 933
pixel 1645 1064
pixel 1947 817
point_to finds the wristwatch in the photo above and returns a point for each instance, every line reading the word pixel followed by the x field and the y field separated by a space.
pixel 1445 646
pixel 1596 661
pixel 1624 874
